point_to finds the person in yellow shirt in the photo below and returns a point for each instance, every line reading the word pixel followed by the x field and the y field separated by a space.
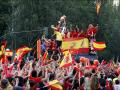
pixel 59 39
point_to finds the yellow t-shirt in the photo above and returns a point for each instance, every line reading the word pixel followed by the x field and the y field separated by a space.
pixel 58 36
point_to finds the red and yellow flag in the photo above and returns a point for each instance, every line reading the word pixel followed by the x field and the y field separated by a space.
pixel 76 45
pixel 23 50
pixel 44 57
pixel 67 60
pixel 99 46
pixel 54 85
pixel 20 52
pixel 8 53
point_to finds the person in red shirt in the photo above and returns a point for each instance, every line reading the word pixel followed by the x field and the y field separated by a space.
pixel 67 84
pixel 91 31
pixel 75 33
pixel 71 33
pixel 110 85
pixel 34 77
pixel 81 33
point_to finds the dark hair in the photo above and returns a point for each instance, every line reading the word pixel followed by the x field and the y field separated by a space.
pixel 21 82
pixel 87 74
pixel 74 72
pixel 101 75
pixel 117 81
pixel 40 74
pixel 52 76
pixel 10 79
pixel 34 73
pixel 33 65
pixel 25 80
pixel 4 83
pixel 22 64
pixel 70 80
pixel 105 77
pixel 32 83
pixel 76 84
pixel 93 70
pixel 81 81
pixel 103 83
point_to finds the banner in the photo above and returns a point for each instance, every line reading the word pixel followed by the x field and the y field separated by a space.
pixel 78 45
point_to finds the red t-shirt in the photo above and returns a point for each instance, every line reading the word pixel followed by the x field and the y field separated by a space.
pixel 67 86
pixel 75 34
pixel 82 35
pixel 110 87
pixel 66 34
pixel 91 31
pixel 71 33
pixel 36 79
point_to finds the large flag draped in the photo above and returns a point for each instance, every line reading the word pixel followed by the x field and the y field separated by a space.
pixel 99 46
pixel 76 45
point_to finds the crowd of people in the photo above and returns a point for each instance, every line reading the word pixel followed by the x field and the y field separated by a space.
pixel 45 73
pixel 34 75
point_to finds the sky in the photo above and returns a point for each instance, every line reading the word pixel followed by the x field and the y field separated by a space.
pixel 116 2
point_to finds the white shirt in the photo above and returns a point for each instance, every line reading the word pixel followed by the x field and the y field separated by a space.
pixel 117 87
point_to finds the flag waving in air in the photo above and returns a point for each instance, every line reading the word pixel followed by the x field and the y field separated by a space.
pixel 54 85
pixel 99 46
pixel 20 52
pixel 67 59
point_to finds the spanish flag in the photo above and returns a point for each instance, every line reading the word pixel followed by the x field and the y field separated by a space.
pixel 8 53
pixel 99 46
pixel 20 52
pixel 23 50
pixel 76 45
pixel 67 60
pixel 54 85
pixel 44 57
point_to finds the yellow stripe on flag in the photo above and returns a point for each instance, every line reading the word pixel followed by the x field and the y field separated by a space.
pixel 75 43
pixel 9 53
pixel 53 82
pixel 99 45
pixel 67 60
pixel 56 87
